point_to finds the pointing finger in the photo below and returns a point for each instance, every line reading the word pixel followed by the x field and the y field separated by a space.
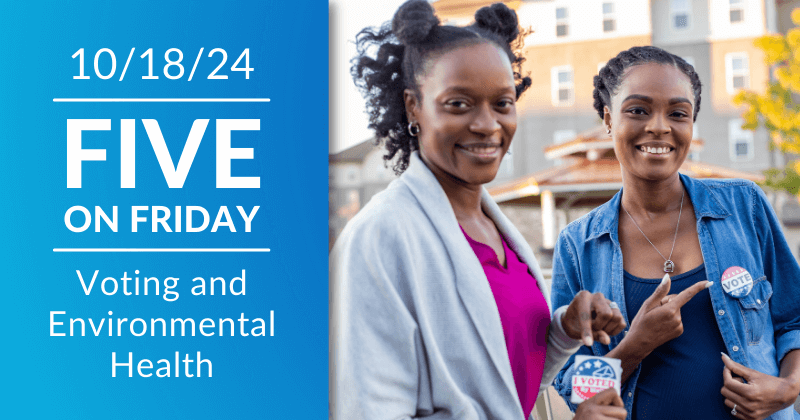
pixel 687 295
pixel 661 291
pixel 585 318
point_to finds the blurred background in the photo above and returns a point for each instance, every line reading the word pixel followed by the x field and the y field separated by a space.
pixel 746 52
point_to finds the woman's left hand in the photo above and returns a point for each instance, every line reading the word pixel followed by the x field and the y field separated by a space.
pixel 592 317
pixel 759 395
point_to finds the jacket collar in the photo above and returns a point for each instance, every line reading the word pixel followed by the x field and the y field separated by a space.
pixel 471 282
pixel 704 199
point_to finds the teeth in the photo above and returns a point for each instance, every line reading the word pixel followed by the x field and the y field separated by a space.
pixel 655 150
pixel 482 150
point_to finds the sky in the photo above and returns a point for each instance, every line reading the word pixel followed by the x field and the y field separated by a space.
pixel 348 119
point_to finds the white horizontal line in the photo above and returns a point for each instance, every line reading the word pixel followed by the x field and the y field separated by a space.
pixel 160 249
pixel 161 100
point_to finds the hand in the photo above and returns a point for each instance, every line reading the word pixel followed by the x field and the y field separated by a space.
pixel 756 395
pixel 659 318
pixel 604 405
pixel 591 317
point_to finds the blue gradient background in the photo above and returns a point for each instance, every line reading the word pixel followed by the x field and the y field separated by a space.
pixel 278 377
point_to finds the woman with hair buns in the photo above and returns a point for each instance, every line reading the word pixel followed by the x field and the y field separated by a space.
pixel 734 283
pixel 438 307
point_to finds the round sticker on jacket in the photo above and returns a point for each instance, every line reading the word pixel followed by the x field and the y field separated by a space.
pixel 737 282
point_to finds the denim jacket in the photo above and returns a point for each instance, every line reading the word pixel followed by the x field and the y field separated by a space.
pixel 736 227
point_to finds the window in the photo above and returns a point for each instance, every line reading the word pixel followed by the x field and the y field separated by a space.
pixel 609 22
pixel 562 86
pixel 737 72
pixel 737 11
pixel 563 136
pixel 562 22
pixel 680 14
pixel 741 141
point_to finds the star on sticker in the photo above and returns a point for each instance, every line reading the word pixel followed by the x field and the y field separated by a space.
pixel 587 365
pixel 597 364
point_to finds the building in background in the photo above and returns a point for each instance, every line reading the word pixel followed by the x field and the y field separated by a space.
pixel 558 125
pixel 354 176
pixel 570 42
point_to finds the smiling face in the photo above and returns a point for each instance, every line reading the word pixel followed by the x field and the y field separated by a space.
pixel 466 112
pixel 651 121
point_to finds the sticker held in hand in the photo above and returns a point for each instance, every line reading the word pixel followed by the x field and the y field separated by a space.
pixel 737 282
pixel 594 374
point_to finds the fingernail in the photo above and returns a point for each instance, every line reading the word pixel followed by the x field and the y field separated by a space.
pixel 665 279
pixel 724 355
pixel 709 284
pixel 588 341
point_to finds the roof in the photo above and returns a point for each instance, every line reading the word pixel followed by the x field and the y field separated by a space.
pixel 581 175
pixel 355 153
pixel 594 139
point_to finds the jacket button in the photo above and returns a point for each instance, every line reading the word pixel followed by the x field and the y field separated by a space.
pixel 721 312
pixel 758 301
pixel 630 394
pixel 735 348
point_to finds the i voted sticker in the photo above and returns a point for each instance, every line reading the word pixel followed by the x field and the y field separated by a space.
pixel 737 282
pixel 594 374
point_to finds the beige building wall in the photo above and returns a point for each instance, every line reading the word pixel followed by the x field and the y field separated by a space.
pixel 584 57
pixel 721 99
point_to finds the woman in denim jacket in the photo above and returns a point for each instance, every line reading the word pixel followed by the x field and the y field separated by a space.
pixel 734 283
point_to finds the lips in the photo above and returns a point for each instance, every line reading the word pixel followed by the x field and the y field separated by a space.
pixel 485 150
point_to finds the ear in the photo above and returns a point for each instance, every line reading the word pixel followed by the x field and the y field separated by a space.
pixel 412 105
pixel 607 117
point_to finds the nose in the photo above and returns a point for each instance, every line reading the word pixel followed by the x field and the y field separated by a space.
pixel 658 125
pixel 486 121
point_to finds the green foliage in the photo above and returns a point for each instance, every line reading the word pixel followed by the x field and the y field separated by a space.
pixel 777 109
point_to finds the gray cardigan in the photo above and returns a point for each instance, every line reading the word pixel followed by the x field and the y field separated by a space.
pixel 415 331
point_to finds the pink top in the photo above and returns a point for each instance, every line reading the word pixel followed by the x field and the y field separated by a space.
pixel 524 315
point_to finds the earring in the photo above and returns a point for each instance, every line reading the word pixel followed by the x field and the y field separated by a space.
pixel 413 128
pixel 608 130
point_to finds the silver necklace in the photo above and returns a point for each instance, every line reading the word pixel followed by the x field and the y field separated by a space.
pixel 669 266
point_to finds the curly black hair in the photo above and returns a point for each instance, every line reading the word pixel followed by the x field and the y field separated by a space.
pixel 611 75
pixel 403 47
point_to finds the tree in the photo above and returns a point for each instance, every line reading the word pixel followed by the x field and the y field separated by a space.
pixel 778 108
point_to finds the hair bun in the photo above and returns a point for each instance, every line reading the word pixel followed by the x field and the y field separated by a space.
pixel 414 21
pixel 500 19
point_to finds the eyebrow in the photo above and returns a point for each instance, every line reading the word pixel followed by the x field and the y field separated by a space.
pixel 467 90
pixel 649 100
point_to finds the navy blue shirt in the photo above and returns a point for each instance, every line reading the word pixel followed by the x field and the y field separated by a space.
pixel 682 378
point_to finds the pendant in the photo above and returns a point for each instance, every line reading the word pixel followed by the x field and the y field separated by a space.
pixel 669 266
